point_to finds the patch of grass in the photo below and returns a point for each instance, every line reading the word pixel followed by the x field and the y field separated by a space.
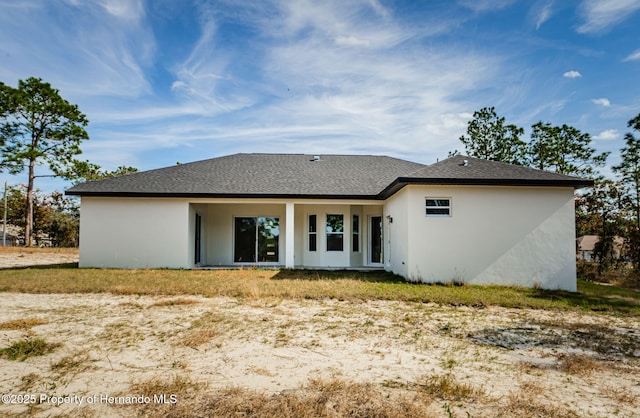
pixel 619 394
pixel 26 323
pixel 578 364
pixel 28 382
pixel 529 401
pixel 174 302
pixel 72 364
pixel 253 284
pixel 28 347
pixel 121 333
pixel 446 387
pixel 328 398
pixel 197 337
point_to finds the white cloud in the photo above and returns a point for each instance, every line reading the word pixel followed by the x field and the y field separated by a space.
pixel 124 9
pixel 601 15
pixel 634 56
pixel 541 12
pixel 484 5
pixel 572 74
pixel 602 102
pixel 608 135
pixel 79 48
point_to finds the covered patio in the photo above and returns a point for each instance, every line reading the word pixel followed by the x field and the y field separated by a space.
pixel 323 234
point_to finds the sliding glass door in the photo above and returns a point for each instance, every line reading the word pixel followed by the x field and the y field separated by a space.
pixel 257 240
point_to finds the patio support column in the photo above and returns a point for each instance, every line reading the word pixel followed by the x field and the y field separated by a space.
pixel 290 233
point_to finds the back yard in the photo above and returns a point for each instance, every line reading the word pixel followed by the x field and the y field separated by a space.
pixel 288 343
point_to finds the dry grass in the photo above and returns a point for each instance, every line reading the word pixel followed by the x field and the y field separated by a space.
pixel 528 401
pixel 26 323
pixel 72 364
pixel 318 398
pixel 258 285
pixel 446 387
pixel 619 394
pixel 38 250
pixel 198 337
pixel 174 302
pixel 578 364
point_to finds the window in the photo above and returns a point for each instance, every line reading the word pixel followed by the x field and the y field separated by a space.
pixel 355 234
pixel 438 206
pixel 313 233
pixel 335 232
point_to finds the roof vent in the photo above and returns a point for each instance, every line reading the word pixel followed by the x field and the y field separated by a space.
pixel 465 163
pixel 316 158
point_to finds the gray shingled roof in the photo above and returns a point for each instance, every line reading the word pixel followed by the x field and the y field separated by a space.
pixel 463 170
pixel 297 175
pixel 337 176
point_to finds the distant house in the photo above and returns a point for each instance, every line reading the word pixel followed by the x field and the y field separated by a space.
pixel 462 219
pixel 586 245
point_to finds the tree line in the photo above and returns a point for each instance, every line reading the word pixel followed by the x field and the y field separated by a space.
pixel 610 209
pixel 39 128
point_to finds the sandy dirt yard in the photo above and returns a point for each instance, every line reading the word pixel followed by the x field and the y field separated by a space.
pixel 114 355
pixel 109 352
pixel 17 257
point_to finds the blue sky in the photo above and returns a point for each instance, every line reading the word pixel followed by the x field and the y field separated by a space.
pixel 177 80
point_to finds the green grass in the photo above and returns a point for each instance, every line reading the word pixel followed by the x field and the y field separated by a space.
pixel 295 284
pixel 28 347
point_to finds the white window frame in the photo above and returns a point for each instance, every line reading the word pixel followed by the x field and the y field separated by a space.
pixel 438 215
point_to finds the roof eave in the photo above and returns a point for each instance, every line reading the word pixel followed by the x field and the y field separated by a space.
pixel 400 182
pixel 220 195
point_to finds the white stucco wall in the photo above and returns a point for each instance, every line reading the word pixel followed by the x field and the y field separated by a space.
pixel 134 233
pixel 496 235
pixel 396 240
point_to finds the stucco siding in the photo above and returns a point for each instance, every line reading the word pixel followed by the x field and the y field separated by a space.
pixel 495 235
pixel 396 240
pixel 134 233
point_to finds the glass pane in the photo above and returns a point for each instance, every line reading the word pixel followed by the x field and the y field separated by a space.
pixel 335 223
pixel 198 239
pixel 356 224
pixel 376 239
pixel 245 240
pixel 312 223
pixel 312 242
pixel 334 242
pixel 436 211
pixel 437 202
pixel 268 239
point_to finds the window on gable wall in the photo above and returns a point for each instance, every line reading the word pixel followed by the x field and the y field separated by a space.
pixel 438 206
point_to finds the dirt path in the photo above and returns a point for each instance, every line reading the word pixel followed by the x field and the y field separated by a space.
pixel 492 359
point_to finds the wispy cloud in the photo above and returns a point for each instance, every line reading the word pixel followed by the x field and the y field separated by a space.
pixel 572 74
pixel 601 15
pixel 87 48
pixel 608 135
pixel 602 102
pixel 634 56
pixel 541 12
pixel 485 5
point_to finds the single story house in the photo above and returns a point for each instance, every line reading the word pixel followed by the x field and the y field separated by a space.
pixel 586 246
pixel 461 219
